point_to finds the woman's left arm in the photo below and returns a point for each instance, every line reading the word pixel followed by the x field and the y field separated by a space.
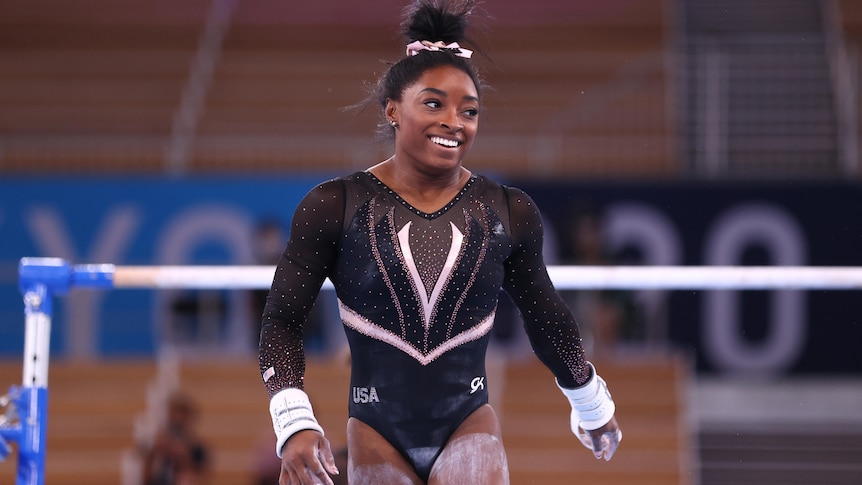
pixel 553 331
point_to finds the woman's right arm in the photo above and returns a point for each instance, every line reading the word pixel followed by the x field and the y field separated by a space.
pixel 306 262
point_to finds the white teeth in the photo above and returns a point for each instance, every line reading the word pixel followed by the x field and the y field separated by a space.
pixel 446 143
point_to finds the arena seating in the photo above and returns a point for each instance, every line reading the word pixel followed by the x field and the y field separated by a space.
pixel 98 88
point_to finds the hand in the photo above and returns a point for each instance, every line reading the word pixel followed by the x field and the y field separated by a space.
pixel 306 459
pixel 603 441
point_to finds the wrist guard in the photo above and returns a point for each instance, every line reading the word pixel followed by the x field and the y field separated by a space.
pixel 291 412
pixel 592 405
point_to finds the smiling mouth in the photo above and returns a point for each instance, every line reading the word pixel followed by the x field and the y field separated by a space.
pixel 437 140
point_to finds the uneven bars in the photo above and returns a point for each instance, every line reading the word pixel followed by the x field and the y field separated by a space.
pixel 564 277
pixel 42 278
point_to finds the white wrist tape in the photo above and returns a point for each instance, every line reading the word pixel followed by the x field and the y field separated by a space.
pixel 592 405
pixel 291 412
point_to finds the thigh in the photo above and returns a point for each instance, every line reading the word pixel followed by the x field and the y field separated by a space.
pixel 371 460
pixel 474 454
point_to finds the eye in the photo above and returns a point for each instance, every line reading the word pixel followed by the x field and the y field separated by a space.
pixel 433 103
pixel 472 112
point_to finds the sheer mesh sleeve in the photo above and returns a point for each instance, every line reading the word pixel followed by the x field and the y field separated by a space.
pixel 548 322
pixel 306 262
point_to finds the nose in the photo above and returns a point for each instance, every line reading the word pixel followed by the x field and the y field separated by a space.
pixel 451 121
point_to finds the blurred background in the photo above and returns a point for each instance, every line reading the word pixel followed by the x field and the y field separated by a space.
pixel 649 132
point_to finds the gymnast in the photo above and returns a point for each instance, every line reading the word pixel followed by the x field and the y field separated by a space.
pixel 418 248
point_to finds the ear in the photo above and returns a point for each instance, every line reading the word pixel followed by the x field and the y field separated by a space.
pixel 390 110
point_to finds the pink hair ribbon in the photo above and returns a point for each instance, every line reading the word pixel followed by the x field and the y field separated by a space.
pixel 414 48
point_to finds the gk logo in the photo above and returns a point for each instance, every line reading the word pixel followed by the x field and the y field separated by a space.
pixel 477 383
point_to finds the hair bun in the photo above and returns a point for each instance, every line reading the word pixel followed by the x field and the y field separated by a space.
pixel 436 20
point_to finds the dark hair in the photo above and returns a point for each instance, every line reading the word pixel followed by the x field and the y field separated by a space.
pixel 433 21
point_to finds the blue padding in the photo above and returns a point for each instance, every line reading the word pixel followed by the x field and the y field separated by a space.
pixel 93 275
pixel 54 273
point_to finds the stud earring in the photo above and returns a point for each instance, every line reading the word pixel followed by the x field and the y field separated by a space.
pixel 394 123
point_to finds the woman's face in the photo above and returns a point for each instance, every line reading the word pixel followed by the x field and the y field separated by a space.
pixel 438 117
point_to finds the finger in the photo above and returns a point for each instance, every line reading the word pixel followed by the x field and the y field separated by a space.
pixel 305 477
pixel 585 438
pixel 287 477
pixel 610 442
pixel 322 477
pixel 598 445
pixel 325 455
pixel 312 473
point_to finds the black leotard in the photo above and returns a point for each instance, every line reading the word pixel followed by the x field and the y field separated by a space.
pixel 417 293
